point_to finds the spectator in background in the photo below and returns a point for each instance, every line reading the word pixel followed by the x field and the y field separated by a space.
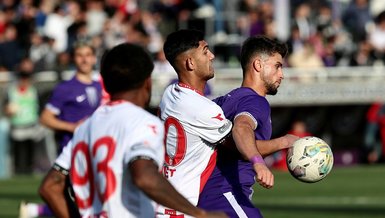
pixel 381 120
pixel 56 26
pixel 377 37
pixel 25 22
pixel 298 128
pixel 363 56
pixel 305 57
pixel 42 52
pixel 22 108
pixel 11 52
pixel 44 8
pixel 356 18
pixel 374 140
pixel 95 17
pixel 302 19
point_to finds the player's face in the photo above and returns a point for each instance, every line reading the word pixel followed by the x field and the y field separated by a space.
pixel 272 74
pixel 84 59
pixel 204 60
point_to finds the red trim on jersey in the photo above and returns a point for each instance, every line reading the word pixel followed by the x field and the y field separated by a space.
pixel 189 87
pixel 208 171
pixel 172 213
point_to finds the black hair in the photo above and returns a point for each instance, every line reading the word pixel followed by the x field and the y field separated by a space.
pixel 260 45
pixel 181 41
pixel 125 67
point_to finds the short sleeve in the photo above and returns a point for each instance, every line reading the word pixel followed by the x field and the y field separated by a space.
pixel 148 143
pixel 253 106
pixel 211 124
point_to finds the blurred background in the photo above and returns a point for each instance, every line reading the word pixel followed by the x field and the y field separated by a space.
pixel 334 72
pixel 334 85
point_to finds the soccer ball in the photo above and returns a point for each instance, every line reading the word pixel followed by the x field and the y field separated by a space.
pixel 310 159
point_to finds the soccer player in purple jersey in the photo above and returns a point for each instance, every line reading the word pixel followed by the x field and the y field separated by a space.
pixel 74 100
pixel 240 163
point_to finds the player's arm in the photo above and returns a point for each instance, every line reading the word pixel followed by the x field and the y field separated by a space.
pixel 52 192
pixel 146 177
pixel 244 138
pixel 267 147
pixel 49 119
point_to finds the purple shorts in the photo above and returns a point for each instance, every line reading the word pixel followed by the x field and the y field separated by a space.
pixel 234 205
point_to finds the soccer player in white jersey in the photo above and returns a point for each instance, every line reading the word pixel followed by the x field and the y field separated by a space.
pixel 115 156
pixel 194 124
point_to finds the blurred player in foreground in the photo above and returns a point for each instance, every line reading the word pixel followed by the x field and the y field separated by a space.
pixel 194 124
pixel 115 156
pixel 240 163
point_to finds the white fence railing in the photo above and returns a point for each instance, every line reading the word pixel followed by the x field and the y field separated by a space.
pixel 316 86
pixel 310 86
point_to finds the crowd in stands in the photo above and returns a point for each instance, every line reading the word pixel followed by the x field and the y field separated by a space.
pixel 322 33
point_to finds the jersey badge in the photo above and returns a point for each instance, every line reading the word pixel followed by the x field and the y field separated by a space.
pixel 223 128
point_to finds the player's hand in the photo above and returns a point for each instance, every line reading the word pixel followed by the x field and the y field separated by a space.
pixel 213 214
pixel 264 176
pixel 290 139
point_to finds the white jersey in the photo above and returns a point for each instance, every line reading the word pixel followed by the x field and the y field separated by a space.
pixel 98 160
pixel 193 125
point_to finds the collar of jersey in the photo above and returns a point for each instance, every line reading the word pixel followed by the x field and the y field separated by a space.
pixel 111 103
pixel 189 87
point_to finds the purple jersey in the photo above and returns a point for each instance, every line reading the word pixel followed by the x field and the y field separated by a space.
pixel 229 187
pixel 73 101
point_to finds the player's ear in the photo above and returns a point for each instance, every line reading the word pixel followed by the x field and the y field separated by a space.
pixel 189 63
pixel 257 64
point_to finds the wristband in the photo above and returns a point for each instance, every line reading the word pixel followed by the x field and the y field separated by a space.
pixel 256 159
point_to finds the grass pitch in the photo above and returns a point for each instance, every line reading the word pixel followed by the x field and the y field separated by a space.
pixel 347 192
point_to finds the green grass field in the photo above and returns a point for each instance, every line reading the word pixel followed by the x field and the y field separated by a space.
pixel 349 192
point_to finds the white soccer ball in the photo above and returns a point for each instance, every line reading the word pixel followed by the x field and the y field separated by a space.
pixel 310 159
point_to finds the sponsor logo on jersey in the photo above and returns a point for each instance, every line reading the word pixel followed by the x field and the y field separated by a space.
pixel 225 127
pixel 80 98
pixel 219 117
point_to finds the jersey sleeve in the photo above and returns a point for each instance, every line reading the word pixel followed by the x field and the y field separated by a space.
pixel 148 143
pixel 211 124
pixel 247 106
